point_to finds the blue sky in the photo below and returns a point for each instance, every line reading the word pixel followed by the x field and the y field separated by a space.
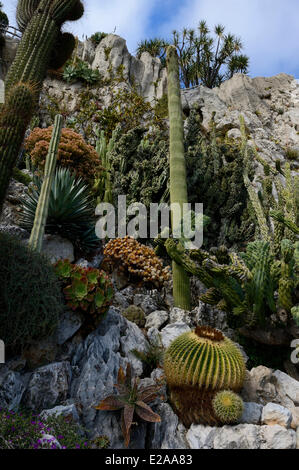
pixel 269 29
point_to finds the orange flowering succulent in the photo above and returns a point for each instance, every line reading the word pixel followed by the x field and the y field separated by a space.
pixel 136 260
pixel 73 152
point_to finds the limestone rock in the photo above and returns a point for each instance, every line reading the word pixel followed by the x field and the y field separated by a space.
pixel 146 302
pixel 69 324
pixel 156 319
pixel 179 315
pixel 67 411
pixel 252 413
pixel 97 361
pixel 11 388
pixel 287 386
pixel 276 414
pixel 169 433
pixel 48 386
pixel 56 248
pixel 277 437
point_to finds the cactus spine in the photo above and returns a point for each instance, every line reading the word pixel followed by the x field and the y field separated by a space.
pixel 14 116
pixel 38 229
pixel 197 365
pixel 178 181
pixel 42 46
pixel 228 406
pixel 103 183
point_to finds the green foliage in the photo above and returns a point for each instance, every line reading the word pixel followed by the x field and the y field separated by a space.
pixel 283 208
pixel 21 177
pixel 103 186
pixel 295 314
pixel 82 72
pixel 140 168
pixel 40 23
pixel 228 407
pixel 3 24
pixel 42 207
pixel 215 177
pixel 30 295
pixel 155 47
pixel 151 358
pixel 244 285
pixel 97 37
pixel 86 290
pixel 132 398
pixel 135 314
pixel 161 107
pixel 70 213
pixel 203 59
pixel 197 365
pixel 24 430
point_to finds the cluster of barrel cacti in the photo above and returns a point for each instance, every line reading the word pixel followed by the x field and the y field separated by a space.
pixel 42 46
pixel 204 371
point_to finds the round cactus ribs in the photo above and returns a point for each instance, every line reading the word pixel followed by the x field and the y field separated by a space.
pixel 198 365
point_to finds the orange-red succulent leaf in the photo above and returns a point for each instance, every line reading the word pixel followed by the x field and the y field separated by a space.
pixel 146 413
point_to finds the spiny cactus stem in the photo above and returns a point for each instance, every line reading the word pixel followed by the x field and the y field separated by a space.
pixel 38 230
pixel 178 179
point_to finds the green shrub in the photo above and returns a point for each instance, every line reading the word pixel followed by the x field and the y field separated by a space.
pixel 30 295
pixel 81 72
pixel 24 430
pixel 21 177
pixel 70 213
pixel 97 37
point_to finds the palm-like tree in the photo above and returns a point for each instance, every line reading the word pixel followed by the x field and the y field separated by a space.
pixel 202 57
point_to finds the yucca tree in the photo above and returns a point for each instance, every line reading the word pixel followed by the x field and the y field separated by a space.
pixel 203 58
pixel 156 47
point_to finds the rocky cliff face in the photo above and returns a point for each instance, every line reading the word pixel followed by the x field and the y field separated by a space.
pixel 270 106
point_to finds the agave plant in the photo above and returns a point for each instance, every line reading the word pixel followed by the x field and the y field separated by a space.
pixel 131 399
pixel 71 210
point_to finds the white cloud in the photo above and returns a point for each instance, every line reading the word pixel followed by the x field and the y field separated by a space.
pixel 268 28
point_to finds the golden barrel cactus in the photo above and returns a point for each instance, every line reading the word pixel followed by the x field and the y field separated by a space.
pixel 197 365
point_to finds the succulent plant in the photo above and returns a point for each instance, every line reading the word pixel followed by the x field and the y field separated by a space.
pixel 87 290
pixel 135 314
pixel 197 365
pixel 178 180
pixel 42 46
pixel 70 212
pixel 132 398
pixel 73 153
pixel 41 213
pixel 137 261
pixel 228 406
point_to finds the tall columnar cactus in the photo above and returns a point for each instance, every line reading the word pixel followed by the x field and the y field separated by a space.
pixel 283 209
pixel 103 183
pixel 14 117
pixel 42 46
pixel 197 365
pixel 178 180
pixel 245 284
pixel 38 229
